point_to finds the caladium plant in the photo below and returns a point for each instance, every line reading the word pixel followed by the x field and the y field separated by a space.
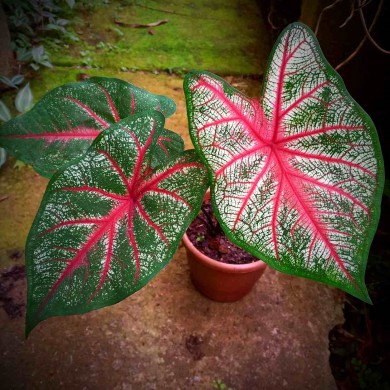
pixel 296 179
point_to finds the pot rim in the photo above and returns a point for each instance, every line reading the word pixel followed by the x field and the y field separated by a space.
pixel 215 264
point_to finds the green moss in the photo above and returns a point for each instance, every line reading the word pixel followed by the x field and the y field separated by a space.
pixel 219 36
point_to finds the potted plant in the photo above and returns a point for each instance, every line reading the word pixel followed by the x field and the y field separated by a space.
pixel 228 273
pixel 295 179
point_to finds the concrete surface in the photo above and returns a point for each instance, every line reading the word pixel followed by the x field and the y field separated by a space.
pixel 166 336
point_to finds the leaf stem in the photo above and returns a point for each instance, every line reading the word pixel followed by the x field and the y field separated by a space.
pixel 214 228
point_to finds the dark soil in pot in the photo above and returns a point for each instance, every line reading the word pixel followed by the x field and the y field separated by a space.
pixel 207 236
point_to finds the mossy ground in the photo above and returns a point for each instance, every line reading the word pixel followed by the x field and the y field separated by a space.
pixel 225 37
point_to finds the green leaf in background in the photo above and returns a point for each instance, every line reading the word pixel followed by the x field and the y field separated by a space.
pixel 13 82
pixel 63 124
pixel 17 79
pixel 70 3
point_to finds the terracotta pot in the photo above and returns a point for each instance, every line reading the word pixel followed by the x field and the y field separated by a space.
pixel 220 281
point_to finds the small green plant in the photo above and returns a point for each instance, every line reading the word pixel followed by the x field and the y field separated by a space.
pixel 200 237
pixel 3 156
pixel 295 179
pixel 23 102
pixel 29 22
pixel 12 82
pixel 220 385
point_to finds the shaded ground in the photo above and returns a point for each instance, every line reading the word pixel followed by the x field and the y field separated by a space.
pixel 360 347
pixel 168 336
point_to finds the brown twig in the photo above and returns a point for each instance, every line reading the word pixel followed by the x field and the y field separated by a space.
pixel 350 16
pixel 4 197
pixel 270 20
pixel 327 8
pixel 368 35
pixel 140 25
pixel 353 54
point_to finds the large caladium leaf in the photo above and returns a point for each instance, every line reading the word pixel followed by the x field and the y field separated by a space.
pixel 110 222
pixel 64 123
pixel 297 177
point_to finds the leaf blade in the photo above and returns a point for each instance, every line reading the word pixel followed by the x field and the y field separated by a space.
pixel 104 228
pixel 302 174
pixel 65 122
pixel 168 145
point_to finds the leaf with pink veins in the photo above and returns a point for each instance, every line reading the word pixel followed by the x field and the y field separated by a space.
pixel 110 222
pixel 64 123
pixel 169 144
pixel 298 177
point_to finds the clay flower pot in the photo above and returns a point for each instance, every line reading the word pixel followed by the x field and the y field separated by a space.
pixel 220 281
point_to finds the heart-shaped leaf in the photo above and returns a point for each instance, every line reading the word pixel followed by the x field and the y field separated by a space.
pixel 64 123
pixel 297 178
pixel 109 222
